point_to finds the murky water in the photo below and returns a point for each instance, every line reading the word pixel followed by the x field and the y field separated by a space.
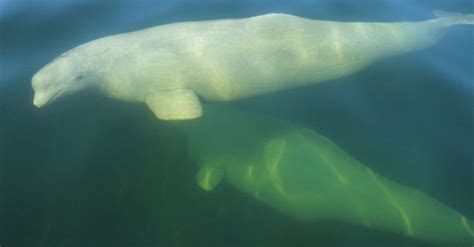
pixel 92 171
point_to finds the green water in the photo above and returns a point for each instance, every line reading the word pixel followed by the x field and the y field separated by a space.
pixel 91 171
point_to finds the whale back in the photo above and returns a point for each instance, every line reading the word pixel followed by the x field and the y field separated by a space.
pixel 234 59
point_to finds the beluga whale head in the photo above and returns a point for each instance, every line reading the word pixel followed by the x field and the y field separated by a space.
pixel 66 74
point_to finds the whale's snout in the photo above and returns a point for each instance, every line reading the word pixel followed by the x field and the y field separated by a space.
pixel 44 97
pixel 55 79
pixel 37 101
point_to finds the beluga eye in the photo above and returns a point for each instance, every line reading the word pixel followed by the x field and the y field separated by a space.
pixel 79 77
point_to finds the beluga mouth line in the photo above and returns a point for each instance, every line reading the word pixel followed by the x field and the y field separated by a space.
pixel 225 60
pixel 50 100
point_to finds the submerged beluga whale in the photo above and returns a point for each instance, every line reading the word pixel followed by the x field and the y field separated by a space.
pixel 306 176
pixel 170 67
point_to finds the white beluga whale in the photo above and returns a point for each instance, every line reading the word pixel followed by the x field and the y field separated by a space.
pixel 171 67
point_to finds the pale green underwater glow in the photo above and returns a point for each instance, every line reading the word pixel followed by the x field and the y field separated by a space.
pixel 307 177
pixel 88 170
pixel 394 202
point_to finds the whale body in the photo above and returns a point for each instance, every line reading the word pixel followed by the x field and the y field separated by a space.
pixel 304 175
pixel 170 67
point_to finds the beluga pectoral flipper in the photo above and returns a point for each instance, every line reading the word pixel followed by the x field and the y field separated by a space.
pixel 169 67
pixel 175 104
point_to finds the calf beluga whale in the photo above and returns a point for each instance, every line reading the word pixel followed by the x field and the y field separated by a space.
pixel 170 67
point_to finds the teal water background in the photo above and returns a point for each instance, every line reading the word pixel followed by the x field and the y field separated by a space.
pixel 91 171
